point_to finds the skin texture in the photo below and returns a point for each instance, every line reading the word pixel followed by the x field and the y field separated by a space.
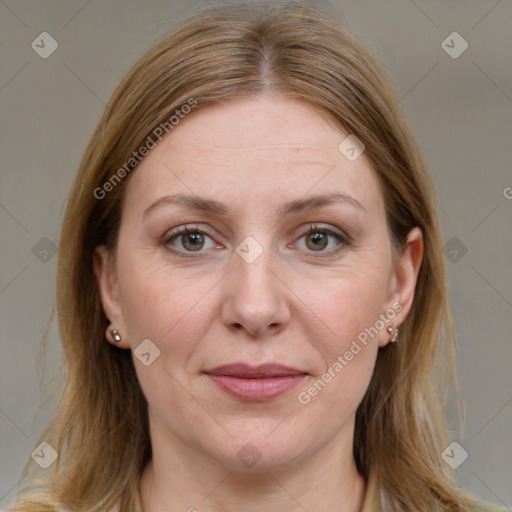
pixel 293 305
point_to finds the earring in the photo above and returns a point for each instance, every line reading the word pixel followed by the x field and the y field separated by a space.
pixel 394 334
pixel 115 335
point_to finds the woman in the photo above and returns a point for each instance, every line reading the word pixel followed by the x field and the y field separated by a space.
pixel 251 286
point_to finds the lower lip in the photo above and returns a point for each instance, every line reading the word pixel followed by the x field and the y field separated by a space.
pixel 256 389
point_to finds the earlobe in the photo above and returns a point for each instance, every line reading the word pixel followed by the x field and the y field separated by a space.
pixel 404 278
pixel 104 270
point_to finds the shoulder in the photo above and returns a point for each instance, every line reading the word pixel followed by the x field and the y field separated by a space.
pixel 482 506
pixel 63 510
pixel 115 509
pixel 55 510
pixel 52 508
pixel 490 508
pixel 486 507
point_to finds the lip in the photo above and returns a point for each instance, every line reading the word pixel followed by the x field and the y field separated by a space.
pixel 255 383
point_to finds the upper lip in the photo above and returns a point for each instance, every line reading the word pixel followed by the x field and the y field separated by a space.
pixel 262 371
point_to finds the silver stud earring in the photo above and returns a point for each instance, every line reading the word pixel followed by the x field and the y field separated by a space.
pixel 115 335
pixel 394 334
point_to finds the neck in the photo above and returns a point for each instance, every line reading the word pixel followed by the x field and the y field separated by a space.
pixel 180 478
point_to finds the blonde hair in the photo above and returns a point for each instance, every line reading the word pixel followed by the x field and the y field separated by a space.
pixel 100 428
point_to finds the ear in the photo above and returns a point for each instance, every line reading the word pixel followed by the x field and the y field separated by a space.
pixel 104 269
pixel 403 281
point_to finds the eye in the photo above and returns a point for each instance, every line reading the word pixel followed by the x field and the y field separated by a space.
pixel 318 239
pixel 189 239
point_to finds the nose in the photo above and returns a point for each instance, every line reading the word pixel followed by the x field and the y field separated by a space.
pixel 255 299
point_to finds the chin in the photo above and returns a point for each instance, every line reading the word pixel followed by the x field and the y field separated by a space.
pixel 257 454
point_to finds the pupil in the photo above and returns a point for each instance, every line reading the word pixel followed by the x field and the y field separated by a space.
pixel 319 241
pixel 193 241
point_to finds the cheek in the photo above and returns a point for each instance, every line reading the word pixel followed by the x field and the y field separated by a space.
pixel 345 306
pixel 346 338
pixel 347 348
pixel 175 315
pixel 163 306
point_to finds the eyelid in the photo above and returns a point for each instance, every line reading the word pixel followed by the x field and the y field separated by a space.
pixel 343 238
pixel 338 234
pixel 183 229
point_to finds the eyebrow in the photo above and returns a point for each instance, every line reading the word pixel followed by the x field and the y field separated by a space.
pixel 214 207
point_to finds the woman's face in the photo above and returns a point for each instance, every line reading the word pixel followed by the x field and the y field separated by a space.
pixel 286 274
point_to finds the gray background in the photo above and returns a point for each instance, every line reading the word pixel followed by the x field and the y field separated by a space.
pixel 459 108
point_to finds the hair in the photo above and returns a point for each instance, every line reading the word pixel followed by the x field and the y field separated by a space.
pixel 100 428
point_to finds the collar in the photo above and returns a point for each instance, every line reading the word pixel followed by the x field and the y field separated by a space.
pixel 371 502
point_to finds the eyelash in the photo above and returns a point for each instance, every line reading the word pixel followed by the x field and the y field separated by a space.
pixel 345 240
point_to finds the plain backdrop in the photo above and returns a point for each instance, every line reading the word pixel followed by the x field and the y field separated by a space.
pixel 460 109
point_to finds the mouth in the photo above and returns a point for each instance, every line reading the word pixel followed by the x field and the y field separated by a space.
pixel 255 383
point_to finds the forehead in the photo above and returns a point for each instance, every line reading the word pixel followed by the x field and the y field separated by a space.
pixel 254 149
